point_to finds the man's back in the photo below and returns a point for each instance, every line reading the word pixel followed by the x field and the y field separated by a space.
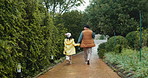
pixel 87 40
pixel 87 34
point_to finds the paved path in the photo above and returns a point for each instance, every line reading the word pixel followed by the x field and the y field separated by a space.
pixel 78 69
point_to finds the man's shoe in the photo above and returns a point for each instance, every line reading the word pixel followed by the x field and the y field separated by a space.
pixel 88 62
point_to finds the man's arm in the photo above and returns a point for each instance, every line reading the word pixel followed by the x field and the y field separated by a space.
pixel 93 35
pixel 80 38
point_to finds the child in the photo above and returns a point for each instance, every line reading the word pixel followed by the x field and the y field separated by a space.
pixel 69 47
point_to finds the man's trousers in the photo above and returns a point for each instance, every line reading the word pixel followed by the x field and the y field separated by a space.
pixel 87 53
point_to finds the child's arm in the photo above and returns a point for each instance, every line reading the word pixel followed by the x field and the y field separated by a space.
pixel 75 44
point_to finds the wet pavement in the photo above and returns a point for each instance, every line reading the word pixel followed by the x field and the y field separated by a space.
pixel 78 68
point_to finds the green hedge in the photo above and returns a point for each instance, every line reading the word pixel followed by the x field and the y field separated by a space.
pixel 101 50
pixel 145 37
pixel 116 43
pixel 28 36
pixel 134 39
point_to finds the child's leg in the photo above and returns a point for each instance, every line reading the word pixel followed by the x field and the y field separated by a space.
pixel 70 60
pixel 70 57
pixel 67 59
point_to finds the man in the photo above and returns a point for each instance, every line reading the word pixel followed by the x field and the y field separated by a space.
pixel 87 42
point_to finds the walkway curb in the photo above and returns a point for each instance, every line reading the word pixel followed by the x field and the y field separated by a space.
pixel 116 70
pixel 49 68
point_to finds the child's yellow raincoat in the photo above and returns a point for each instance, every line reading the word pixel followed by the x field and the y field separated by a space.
pixel 69 47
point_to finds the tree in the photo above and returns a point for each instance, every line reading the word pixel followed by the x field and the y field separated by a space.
pixel 114 16
pixel 60 6
pixel 73 21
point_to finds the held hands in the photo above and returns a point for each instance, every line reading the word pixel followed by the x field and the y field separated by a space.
pixel 77 44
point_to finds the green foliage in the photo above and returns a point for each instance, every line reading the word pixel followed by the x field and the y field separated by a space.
pixel 116 43
pixel 28 36
pixel 7 64
pixel 101 50
pixel 119 16
pixel 134 39
pixel 102 37
pixel 60 6
pixel 73 22
pixel 145 37
pixel 129 61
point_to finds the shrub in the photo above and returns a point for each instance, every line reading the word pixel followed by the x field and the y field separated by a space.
pixel 101 50
pixel 134 39
pixel 118 48
pixel 102 37
pixel 145 37
pixel 7 64
pixel 116 43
